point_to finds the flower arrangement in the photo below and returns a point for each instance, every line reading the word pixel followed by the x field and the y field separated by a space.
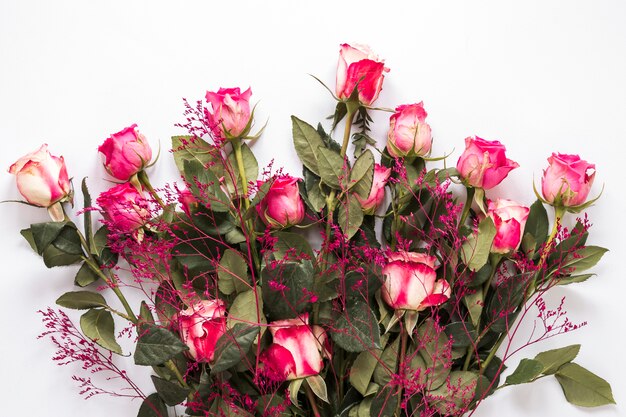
pixel 361 288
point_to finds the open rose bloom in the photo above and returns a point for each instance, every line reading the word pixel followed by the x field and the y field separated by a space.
pixel 359 68
pixel 230 114
pixel 201 325
pixel 43 181
pixel 509 218
pixel 410 282
pixel 124 208
pixel 409 134
pixel 568 180
pixel 125 153
pixel 297 350
pixel 484 164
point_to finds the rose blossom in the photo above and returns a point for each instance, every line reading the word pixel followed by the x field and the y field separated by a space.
pixel 124 208
pixel 42 179
pixel 377 193
pixel 484 164
pixel 410 282
pixel 567 180
pixel 201 325
pixel 297 351
pixel 359 65
pixel 282 206
pixel 230 113
pixel 509 219
pixel 125 153
pixel 409 134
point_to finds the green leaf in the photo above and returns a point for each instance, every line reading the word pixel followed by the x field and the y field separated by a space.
pixel 250 165
pixel 357 329
pixel 145 314
pixel 350 216
pixel 582 387
pixel 52 256
pixel 537 224
pixel 387 363
pixel 362 175
pixel 474 303
pixel 552 360
pixel 451 398
pixel 233 345
pixel 306 140
pixel 507 297
pixel 156 345
pixel 244 309
pixel 106 257
pixel 290 281
pixel 45 233
pixel 462 333
pixel 573 279
pixel 526 371
pixel 294 388
pixel 384 403
pixel 205 186
pixel 330 165
pixel 232 273
pixel 98 325
pixel 292 244
pixel 81 300
pixel 475 250
pixel 85 276
pixel 86 205
pixel 191 148
pixel 315 197
pixel 584 258
pixel 28 235
pixel 318 386
pixel 170 392
pixel 435 351
pixel 152 406
pixel 68 241
pixel 363 368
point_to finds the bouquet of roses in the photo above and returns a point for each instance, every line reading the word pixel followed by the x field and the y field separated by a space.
pixel 362 288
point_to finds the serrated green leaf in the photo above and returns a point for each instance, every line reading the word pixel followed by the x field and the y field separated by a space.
pixel 81 300
pixel 552 360
pixel 27 234
pixel 571 279
pixel 156 345
pixel 170 392
pixel 330 165
pixel 362 175
pixel 584 258
pixel 350 216
pixel 475 251
pixel 85 276
pixel 462 333
pixel 306 141
pixel 52 256
pixel 357 329
pixel 526 371
pixel 98 325
pixel 293 244
pixel 582 387
pixel 45 233
pixel 315 198
pixel 190 148
pixel 232 273
pixel 233 345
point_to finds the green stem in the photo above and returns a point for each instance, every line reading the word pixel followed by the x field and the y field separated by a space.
pixel 242 170
pixel 311 397
pixel 468 205
pixel 403 342
pixel 145 181
pixel 492 353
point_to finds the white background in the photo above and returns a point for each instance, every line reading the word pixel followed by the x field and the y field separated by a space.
pixel 539 76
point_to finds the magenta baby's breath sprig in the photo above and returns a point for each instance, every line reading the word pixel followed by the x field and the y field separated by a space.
pixel 362 286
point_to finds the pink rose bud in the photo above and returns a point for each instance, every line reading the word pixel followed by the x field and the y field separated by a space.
pixel 124 208
pixel 567 181
pixel 509 219
pixel 377 193
pixel 410 282
pixel 409 134
pixel 297 351
pixel 484 164
pixel 230 115
pixel 201 325
pixel 125 153
pixel 282 206
pixel 359 68
pixel 42 179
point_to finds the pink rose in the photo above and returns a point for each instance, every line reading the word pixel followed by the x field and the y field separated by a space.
pixel 42 179
pixel 377 193
pixel 282 206
pixel 297 351
pixel 409 134
pixel 201 325
pixel 230 115
pixel 509 219
pixel 567 181
pixel 410 282
pixel 188 201
pixel 125 153
pixel 484 164
pixel 359 65
pixel 124 208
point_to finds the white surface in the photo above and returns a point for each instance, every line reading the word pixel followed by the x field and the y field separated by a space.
pixel 539 76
